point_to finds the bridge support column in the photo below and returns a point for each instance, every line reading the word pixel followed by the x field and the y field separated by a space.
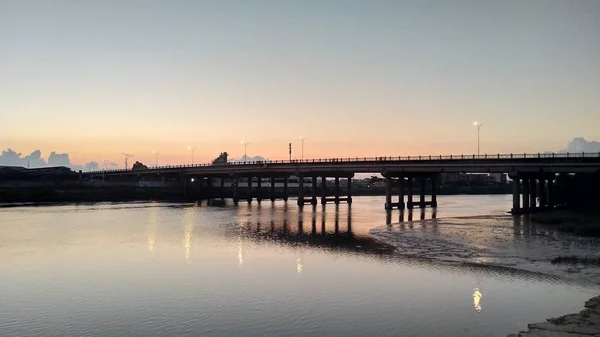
pixel 349 200
pixel 388 193
pixel 222 188
pixel 434 191
pixel 323 190
pixel 272 190
pixel 285 188
pixel 259 189
pixel 236 190
pixel 525 195
pixel 249 189
pixel 313 199
pixel 516 209
pixel 337 190
pixel 543 199
pixel 401 204
pixel 532 194
pixel 209 188
pixel 409 202
pixel 185 187
pixel 422 192
pixel 300 190
pixel 550 192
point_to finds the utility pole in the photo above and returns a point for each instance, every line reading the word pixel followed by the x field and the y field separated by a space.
pixel 127 156
pixel 290 146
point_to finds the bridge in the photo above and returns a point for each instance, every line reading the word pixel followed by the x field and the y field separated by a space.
pixel 533 175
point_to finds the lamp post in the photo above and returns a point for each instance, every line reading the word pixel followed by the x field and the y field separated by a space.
pixel 155 158
pixel 105 162
pixel 302 139
pixel 478 127
pixel 245 150
pixel 191 148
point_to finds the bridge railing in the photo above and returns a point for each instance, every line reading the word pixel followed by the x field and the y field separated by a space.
pixel 372 159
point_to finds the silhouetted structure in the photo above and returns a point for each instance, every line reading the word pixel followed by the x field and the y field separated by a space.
pixel 412 175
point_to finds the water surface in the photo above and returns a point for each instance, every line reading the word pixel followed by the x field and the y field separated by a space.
pixel 150 269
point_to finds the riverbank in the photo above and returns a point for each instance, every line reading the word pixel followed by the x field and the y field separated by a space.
pixel 538 243
pixel 585 323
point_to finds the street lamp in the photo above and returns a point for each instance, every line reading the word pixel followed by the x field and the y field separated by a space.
pixel 302 139
pixel 155 158
pixel 105 162
pixel 191 148
pixel 478 127
pixel 245 149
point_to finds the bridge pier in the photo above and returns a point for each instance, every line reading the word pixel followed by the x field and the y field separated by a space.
pixel 313 199
pixel 542 184
pixel 301 190
pixel 272 190
pixel 222 188
pixel 209 187
pixel 534 185
pixel 516 185
pixel 259 190
pixel 401 204
pixel 249 189
pixel 550 192
pixel 532 194
pixel 285 188
pixel 323 190
pixel 422 192
pixel 410 203
pixel 349 190
pixel 525 195
pixel 236 191
pixel 337 191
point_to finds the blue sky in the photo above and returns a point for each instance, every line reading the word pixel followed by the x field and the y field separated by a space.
pixel 357 78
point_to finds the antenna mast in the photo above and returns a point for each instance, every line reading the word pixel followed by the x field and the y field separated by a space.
pixel 127 156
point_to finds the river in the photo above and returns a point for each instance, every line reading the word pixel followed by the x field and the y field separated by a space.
pixel 160 269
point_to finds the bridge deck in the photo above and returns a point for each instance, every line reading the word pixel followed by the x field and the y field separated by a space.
pixel 498 163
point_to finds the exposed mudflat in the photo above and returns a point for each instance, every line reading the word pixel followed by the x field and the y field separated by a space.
pixel 498 240
pixel 584 324
pixel 507 241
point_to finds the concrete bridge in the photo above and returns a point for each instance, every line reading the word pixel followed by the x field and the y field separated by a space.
pixel 533 175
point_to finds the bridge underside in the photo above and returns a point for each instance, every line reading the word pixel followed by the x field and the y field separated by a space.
pixel 533 177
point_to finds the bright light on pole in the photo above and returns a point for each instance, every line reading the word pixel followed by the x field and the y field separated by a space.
pixel 191 148
pixel 302 139
pixel 478 127
pixel 245 150
pixel 155 158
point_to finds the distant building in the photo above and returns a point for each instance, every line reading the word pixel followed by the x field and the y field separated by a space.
pixel 467 178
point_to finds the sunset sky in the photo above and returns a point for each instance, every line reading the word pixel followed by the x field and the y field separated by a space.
pixel 95 79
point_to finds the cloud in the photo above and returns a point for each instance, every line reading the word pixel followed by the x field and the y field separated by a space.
pixel 59 159
pixel 10 157
pixel 579 144
pixel 241 160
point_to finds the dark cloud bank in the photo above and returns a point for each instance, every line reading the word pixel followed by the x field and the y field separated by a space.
pixel 35 159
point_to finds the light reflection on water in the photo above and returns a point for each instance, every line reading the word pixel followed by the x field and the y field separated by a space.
pixel 253 270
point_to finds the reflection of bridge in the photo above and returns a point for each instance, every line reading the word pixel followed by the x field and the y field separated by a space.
pixel 535 173
pixel 312 228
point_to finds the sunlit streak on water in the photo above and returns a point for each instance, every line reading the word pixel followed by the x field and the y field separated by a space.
pixel 187 237
pixel 477 299
pixel 151 229
pixel 240 253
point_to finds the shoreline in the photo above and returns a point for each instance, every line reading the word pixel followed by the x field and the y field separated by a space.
pixel 417 239
pixel 584 323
